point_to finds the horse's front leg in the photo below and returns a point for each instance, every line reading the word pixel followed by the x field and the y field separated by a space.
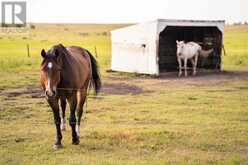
pixel 180 66
pixel 185 67
pixel 72 120
pixel 63 120
pixel 55 107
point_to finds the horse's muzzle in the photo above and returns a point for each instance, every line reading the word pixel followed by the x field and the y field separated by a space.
pixel 50 93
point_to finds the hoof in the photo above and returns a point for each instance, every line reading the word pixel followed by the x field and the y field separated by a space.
pixel 57 146
pixel 76 141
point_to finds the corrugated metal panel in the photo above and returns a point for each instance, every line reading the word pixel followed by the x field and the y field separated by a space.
pixel 134 48
pixel 133 58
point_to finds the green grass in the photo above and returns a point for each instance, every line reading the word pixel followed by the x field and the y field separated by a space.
pixel 197 120
pixel 236 45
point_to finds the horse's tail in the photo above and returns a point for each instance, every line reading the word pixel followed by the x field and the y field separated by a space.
pixel 96 79
pixel 206 53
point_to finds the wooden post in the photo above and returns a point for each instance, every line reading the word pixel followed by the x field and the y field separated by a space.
pixel 95 51
pixel 28 50
pixel 224 50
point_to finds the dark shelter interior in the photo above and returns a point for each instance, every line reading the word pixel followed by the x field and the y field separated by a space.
pixel 207 37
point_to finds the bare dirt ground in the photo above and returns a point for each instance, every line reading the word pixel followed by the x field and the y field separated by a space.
pixel 122 89
pixel 201 76
pixel 171 79
pixel 122 85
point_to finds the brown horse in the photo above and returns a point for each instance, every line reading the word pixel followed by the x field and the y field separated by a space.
pixel 66 74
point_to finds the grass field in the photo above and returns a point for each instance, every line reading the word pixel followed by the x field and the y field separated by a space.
pixel 136 119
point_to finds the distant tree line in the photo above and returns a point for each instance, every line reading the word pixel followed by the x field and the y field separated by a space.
pixel 240 23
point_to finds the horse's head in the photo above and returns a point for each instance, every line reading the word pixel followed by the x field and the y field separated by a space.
pixel 50 72
pixel 180 46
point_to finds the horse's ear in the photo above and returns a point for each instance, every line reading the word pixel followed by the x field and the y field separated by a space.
pixel 61 45
pixel 43 53
pixel 177 41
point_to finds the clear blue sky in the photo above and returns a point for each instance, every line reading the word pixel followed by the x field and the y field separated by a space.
pixel 124 11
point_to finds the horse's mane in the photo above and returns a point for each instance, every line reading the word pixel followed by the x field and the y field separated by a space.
pixel 60 48
pixel 63 54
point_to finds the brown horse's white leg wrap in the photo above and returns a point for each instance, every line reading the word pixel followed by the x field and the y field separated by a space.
pixel 78 130
pixel 63 124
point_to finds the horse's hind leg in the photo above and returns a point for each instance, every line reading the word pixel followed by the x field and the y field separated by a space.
pixel 195 65
pixel 63 120
pixel 81 100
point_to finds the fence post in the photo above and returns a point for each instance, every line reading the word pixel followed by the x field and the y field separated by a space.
pixel 28 50
pixel 95 51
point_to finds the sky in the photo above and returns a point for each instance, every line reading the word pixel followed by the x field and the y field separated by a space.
pixel 131 11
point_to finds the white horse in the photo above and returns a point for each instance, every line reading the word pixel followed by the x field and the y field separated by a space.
pixel 189 50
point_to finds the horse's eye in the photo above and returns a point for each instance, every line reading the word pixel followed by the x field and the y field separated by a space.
pixel 43 69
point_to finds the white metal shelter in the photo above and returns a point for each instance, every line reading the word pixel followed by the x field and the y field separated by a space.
pixel 150 47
